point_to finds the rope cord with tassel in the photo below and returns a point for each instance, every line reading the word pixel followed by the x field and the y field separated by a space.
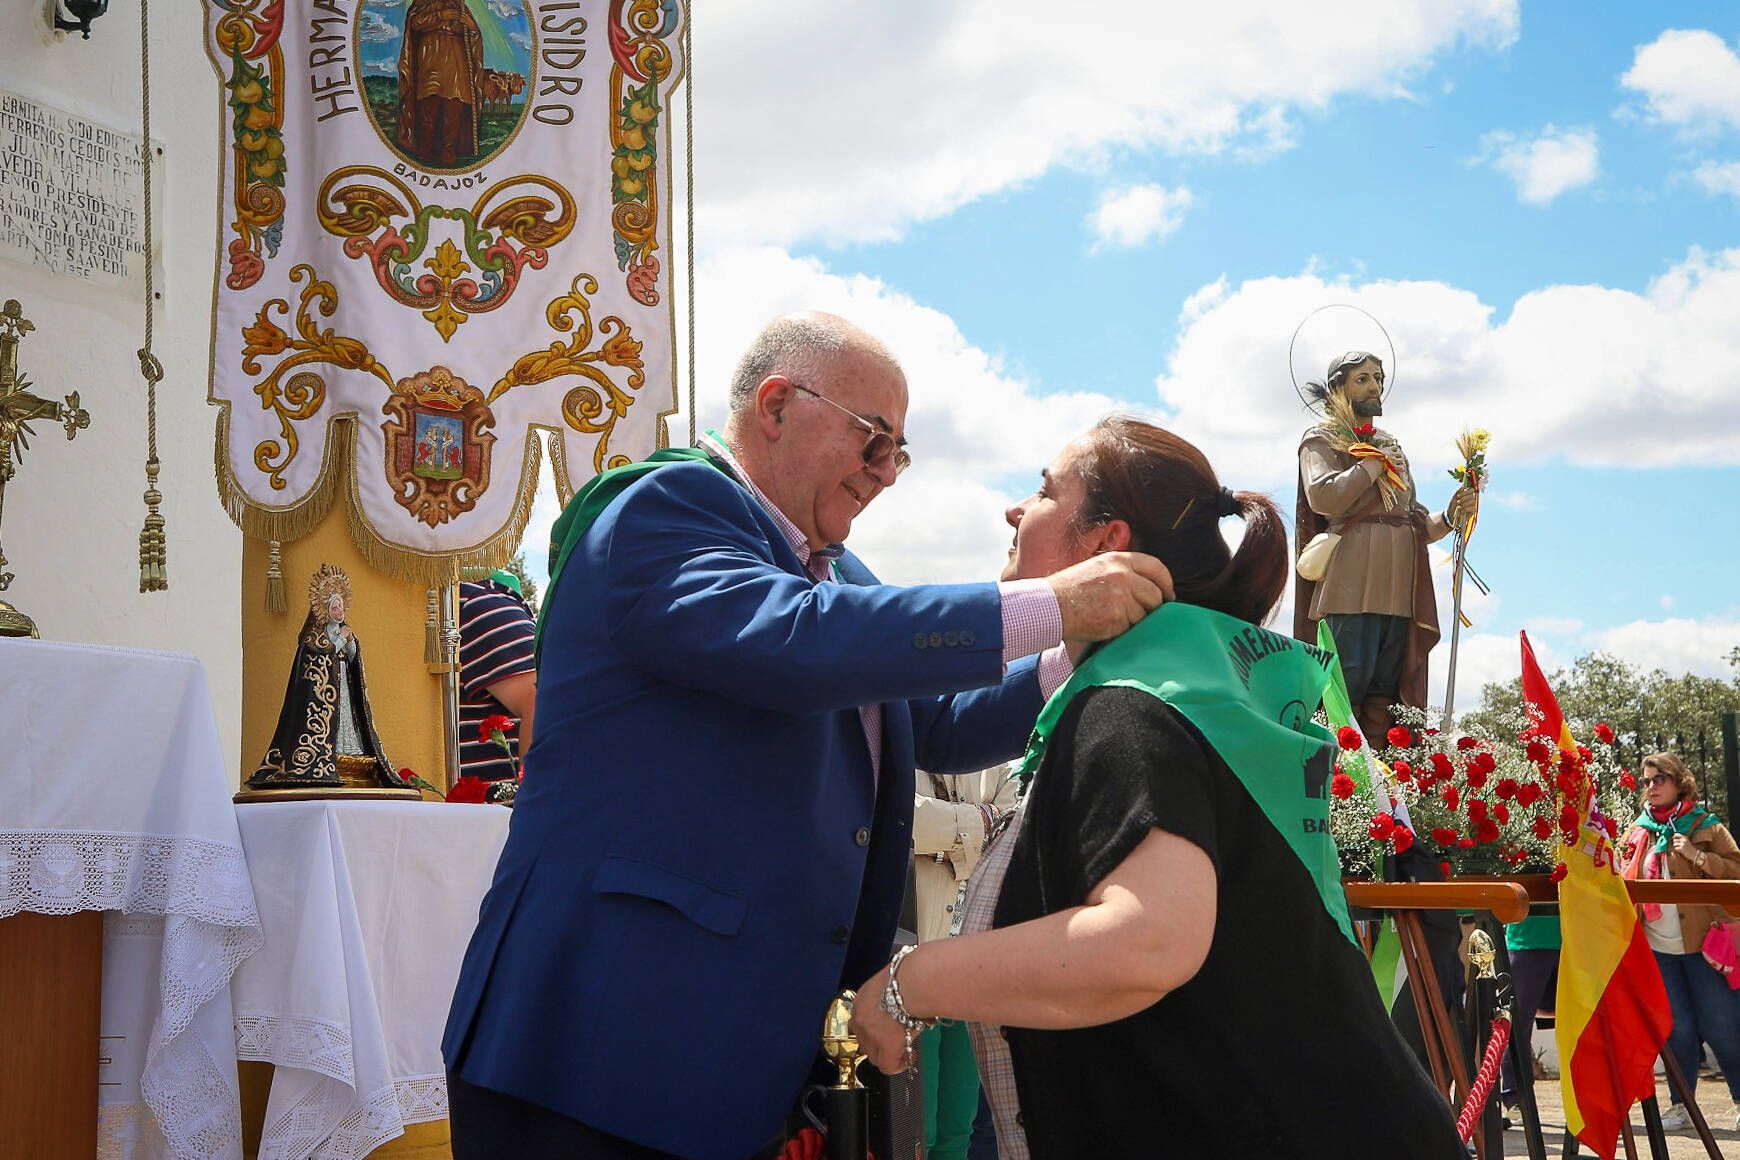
pixel 153 543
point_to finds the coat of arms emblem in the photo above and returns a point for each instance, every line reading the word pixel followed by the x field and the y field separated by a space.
pixel 437 444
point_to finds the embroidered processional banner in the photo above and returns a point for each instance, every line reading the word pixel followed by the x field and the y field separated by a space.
pixel 444 229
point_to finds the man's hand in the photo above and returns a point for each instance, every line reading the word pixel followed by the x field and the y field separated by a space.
pixel 1106 594
pixel 1463 506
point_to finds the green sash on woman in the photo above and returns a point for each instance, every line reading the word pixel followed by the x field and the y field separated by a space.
pixel 1251 693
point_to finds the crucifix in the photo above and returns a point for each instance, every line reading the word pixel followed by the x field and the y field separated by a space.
pixel 17 408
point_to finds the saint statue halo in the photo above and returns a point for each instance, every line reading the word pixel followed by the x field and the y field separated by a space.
pixel 1339 338
pixel 325 744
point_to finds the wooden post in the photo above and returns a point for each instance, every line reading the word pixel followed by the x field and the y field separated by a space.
pixel 50 1008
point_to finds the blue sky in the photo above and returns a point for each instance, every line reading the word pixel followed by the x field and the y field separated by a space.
pixel 1048 220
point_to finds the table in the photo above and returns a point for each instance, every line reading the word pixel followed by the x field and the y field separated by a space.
pixel 114 797
pixel 367 909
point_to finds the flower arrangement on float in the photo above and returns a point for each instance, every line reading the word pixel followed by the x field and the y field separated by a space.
pixel 1481 805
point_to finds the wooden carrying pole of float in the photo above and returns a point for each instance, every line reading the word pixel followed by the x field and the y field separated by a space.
pixel 1508 899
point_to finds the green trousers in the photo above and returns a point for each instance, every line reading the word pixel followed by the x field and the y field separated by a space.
pixel 951 1090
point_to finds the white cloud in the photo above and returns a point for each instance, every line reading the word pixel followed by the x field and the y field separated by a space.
pixel 1675 645
pixel 930 106
pixel 1516 501
pixel 1589 374
pixel 979 434
pixel 1688 79
pixel 1544 165
pixel 1135 215
pixel 1719 177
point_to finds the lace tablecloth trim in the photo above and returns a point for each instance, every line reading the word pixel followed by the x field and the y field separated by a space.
pixel 317 1045
pixel 210 925
pixel 378 1117
pixel 64 872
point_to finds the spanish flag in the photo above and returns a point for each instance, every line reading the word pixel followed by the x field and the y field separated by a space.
pixel 1613 1015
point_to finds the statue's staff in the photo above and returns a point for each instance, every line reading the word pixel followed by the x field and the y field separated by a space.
pixel 1471 473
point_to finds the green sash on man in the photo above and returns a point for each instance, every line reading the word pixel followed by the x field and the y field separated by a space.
pixel 588 504
pixel 1251 693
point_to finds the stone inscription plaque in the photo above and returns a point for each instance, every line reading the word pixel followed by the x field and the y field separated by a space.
pixel 70 195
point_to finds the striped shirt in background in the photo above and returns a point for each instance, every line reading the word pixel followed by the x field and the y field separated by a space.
pixel 496 633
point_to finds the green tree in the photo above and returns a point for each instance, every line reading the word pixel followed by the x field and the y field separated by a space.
pixel 1674 713
pixel 528 586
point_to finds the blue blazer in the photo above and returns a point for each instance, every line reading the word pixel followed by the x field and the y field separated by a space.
pixel 700 857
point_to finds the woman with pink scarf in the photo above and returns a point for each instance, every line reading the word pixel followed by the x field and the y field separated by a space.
pixel 1674 837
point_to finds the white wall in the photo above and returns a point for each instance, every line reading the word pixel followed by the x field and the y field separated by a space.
pixel 74 510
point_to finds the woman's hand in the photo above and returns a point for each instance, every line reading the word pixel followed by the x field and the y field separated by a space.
pixel 1684 848
pixel 880 1036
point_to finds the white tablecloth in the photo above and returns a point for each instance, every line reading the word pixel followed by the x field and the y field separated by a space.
pixel 113 797
pixel 367 908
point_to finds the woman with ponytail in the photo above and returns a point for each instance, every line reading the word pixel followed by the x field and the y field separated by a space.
pixel 1156 957
pixel 1675 837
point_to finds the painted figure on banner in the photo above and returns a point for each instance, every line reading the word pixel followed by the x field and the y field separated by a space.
pixel 440 64
pixel 1373 584
pixel 326 733
pixel 445 78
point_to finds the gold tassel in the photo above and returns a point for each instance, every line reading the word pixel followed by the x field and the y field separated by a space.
pixel 275 601
pixel 153 547
pixel 432 651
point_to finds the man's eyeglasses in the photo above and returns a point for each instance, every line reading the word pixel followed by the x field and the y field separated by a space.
pixel 880 448
pixel 1652 782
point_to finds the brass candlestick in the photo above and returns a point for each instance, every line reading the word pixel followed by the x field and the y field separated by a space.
pixel 18 407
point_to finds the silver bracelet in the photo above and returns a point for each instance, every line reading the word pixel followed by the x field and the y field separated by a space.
pixel 895 1007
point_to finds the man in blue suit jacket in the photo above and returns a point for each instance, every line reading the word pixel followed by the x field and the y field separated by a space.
pixel 715 825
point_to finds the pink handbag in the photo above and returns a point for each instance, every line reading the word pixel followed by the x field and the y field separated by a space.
pixel 1722 952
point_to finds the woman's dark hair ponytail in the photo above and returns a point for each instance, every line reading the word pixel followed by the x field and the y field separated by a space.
pixel 1166 490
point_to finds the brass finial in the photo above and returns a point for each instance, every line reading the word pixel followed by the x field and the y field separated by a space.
pixel 838 1041
pixel 1482 954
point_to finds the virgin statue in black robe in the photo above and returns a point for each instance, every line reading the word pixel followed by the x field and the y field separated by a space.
pixel 326 737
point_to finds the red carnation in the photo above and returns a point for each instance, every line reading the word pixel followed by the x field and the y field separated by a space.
pixel 1348 737
pixel 1506 789
pixel 469 789
pixel 1538 752
pixel 1451 797
pixel 1444 868
pixel 1528 793
pixel 1483 761
pixel 1444 836
pixel 1382 826
pixel 1560 871
pixel 1399 736
pixel 1466 843
pixel 1341 786
pixel 1486 830
pixel 1476 809
pixel 1466 743
pixel 493 723
pixel 1626 780
pixel 1502 813
pixel 1476 777
pixel 1543 828
pixel 1402 770
pixel 1441 765
pixel 1404 839
pixel 1583 752
pixel 1604 732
